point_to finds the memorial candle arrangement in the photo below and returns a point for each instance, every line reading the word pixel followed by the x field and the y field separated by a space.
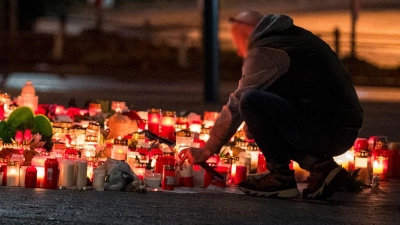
pixel 74 157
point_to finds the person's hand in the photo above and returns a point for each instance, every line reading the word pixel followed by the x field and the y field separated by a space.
pixel 193 155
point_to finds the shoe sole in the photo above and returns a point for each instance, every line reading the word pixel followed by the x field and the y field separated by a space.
pixel 331 184
pixel 289 193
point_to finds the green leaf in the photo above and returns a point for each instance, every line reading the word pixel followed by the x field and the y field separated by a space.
pixel 42 125
pixel 20 116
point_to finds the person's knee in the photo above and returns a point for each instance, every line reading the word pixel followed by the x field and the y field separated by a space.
pixel 247 100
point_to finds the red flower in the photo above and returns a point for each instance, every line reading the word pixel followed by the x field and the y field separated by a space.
pixel 19 137
pixel 27 135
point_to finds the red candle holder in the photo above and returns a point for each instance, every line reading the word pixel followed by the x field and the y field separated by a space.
pixel 168 178
pixel 182 123
pixel 161 161
pixel 50 173
pixel 208 178
pixel 153 120
pixel 185 174
pixel 361 144
pixel 241 173
pixel 223 170
pixel 377 142
pixel 168 121
pixel 396 163
pixel 30 177
pixel 262 163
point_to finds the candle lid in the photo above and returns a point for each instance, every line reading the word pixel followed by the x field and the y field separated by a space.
pixel 169 113
pixel 153 111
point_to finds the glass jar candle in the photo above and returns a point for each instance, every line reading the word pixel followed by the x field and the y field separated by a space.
pixel 13 174
pixel 363 162
pixel 241 173
pixel 182 123
pixel 81 173
pixel 183 139
pixel 22 174
pixel 50 174
pixel 252 149
pixel 185 175
pixel 153 120
pixel 99 174
pixel 168 120
pixel 168 178
pixel 30 177
pixel 120 149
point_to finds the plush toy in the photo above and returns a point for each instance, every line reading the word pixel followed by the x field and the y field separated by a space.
pixel 120 126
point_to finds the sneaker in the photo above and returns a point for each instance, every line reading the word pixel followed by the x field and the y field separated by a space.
pixel 326 178
pixel 256 176
pixel 276 184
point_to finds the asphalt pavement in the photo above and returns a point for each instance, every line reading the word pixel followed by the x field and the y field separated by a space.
pixel 378 205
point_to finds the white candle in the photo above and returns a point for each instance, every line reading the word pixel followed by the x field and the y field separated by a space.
pixel 22 172
pixel 342 161
pixel 12 176
pixel 89 172
pixel 233 172
pixel 68 173
pixel 81 173
pixel 361 162
pixel 253 160
pixel 365 170
pixel 186 170
pixel 377 168
pixel 38 162
pixel 89 152
pixel 299 173
pixel 195 127
pixel 99 177
pixel 118 155
pixel 119 152
pixel 139 171
pixel 40 176
pixel 61 170
pixel 17 157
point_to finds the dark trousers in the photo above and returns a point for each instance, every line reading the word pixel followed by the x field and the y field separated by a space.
pixel 283 135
